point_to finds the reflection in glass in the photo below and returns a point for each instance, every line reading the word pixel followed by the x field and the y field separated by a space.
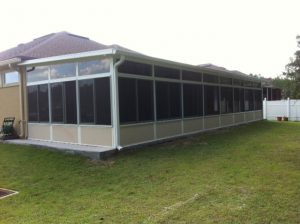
pixel 38 74
pixel 94 67
pixel 63 71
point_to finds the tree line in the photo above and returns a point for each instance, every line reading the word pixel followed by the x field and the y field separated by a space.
pixel 289 81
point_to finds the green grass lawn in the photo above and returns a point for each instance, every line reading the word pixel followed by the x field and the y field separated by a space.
pixel 245 174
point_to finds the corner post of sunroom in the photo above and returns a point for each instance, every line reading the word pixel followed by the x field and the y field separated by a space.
pixel 115 101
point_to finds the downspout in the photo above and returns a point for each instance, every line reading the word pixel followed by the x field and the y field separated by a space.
pixel 115 99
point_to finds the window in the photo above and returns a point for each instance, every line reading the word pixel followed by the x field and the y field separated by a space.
pixel 94 98
pixel 225 81
pixel 191 76
pixel 226 100
pixel 145 100
pixel 164 72
pixel 57 102
pixel 249 101
pixel 86 98
pixel 211 100
pixel 248 84
pixel 135 68
pixel 63 70
pixel 210 78
pixel 63 102
pixel 135 100
pixel 11 78
pixel 237 82
pixel 43 103
pixel 38 103
pixel 32 92
pixel 38 74
pixel 192 100
pixel 168 100
pixel 102 101
pixel 94 67
pixel 238 105
pixel 257 100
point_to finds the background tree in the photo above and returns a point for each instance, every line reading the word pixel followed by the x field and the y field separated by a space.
pixel 289 81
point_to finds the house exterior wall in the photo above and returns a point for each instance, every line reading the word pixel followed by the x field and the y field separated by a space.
pixel 10 104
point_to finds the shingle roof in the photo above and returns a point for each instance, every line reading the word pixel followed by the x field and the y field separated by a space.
pixel 54 44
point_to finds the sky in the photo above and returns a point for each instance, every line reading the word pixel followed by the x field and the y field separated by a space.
pixel 252 36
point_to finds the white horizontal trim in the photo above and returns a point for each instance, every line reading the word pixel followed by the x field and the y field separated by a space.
pixel 65 57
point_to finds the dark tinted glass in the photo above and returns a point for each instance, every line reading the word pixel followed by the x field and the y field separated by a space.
pixel 32 92
pixel 102 99
pixel 257 100
pixel 169 73
pixel 70 102
pixel 192 100
pixel 191 76
pixel 145 100
pixel 210 78
pixel 135 68
pixel 43 103
pixel 127 100
pixel 249 100
pixel 225 81
pixel 168 100
pixel 86 99
pixel 237 82
pixel 226 100
pixel 57 102
pixel 211 100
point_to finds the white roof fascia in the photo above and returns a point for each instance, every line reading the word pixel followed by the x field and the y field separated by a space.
pixel 10 61
pixel 87 54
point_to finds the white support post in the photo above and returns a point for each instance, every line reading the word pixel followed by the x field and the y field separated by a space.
pixel 288 108
pixel 265 108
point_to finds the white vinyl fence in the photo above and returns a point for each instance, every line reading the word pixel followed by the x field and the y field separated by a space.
pixel 281 108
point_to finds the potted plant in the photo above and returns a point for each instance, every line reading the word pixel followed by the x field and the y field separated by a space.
pixel 279 118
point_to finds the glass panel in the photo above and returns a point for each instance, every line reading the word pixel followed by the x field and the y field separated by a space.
pixel 11 78
pixel 135 68
pixel 94 67
pixel 70 102
pixel 225 81
pixel 226 100
pixel 127 100
pixel 57 102
pixel 43 103
pixel 210 78
pixel 32 92
pixel 145 100
pixel 191 76
pixel 168 100
pixel 237 82
pixel 169 73
pixel 86 98
pixel 211 100
pixel 249 100
pixel 192 100
pixel 63 71
pixel 257 100
pixel 102 99
pixel 38 74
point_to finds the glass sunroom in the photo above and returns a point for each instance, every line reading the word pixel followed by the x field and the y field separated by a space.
pixel 120 99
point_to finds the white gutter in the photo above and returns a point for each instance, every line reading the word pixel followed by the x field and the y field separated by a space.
pixel 65 57
pixel 9 62
pixel 115 104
